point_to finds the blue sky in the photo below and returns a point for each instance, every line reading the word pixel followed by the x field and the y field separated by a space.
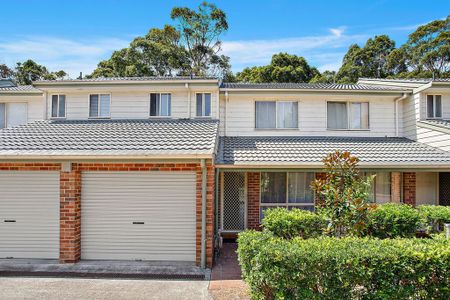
pixel 76 35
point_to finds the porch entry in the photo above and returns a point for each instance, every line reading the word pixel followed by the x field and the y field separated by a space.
pixel 233 202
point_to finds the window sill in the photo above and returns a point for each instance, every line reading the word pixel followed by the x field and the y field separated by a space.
pixel 332 129
pixel 276 129
pixel 160 117
pixel 99 118
pixel 57 118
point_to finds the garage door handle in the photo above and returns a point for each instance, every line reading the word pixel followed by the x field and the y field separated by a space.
pixel 138 223
pixel 9 221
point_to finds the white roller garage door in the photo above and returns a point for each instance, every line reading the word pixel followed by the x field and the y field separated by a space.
pixel 138 215
pixel 29 214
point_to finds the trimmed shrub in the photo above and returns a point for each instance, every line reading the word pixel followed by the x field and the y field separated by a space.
pixel 345 268
pixel 435 216
pixel 293 223
pixel 392 220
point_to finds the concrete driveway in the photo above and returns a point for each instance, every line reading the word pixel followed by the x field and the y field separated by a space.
pixel 76 288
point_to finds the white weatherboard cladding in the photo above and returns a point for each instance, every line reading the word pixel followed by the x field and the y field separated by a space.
pixel 164 201
pixel 32 200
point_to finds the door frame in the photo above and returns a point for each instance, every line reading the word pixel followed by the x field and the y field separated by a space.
pixel 222 199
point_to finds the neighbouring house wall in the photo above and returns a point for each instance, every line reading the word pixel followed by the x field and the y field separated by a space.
pixel 411 114
pixel 409 188
pixel 238 119
pixel 253 198
pixel 35 104
pixel 134 102
pixel 70 199
pixel 433 137
pixel 427 188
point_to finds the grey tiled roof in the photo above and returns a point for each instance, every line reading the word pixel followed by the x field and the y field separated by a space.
pixel 439 123
pixel 113 79
pixel 111 138
pixel 302 150
pixel 308 86
pixel 412 80
pixel 20 88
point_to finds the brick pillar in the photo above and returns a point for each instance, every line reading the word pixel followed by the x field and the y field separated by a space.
pixel 409 188
pixel 396 185
pixel 70 216
pixel 209 214
pixel 253 197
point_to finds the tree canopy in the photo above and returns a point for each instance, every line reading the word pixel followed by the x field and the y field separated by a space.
pixel 282 68
pixel 191 47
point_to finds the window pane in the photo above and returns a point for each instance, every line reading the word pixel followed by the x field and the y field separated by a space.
pixel 299 187
pixel 430 108
pixel 287 114
pixel 104 105
pixel 62 106
pixel 2 115
pixel 306 207
pixel 207 105
pixel 337 115
pixel 199 105
pixel 359 115
pixel 383 187
pixel 265 114
pixel 16 114
pixel 165 105
pixel 54 106
pixel 273 187
pixel 154 104
pixel 93 106
pixel 438 105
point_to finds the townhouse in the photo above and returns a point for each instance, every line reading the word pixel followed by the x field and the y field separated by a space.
pixel 162 169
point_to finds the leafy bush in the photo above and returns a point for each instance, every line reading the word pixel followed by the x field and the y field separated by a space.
pixel 392 220
pixel 343 194
pixel 344 268
pixel 293 223
pixel 435 216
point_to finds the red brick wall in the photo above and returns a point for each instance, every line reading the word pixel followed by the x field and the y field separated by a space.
pixel 409 188
pixel 70 200
pixel 70 216
pixel 253 198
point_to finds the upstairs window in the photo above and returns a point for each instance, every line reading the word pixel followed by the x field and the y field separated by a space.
pixel 12 114
pixel 276 114
pixel 434 106
pixel 203 105
pixel 347 115
pixel 160 105
pixel 58 106
pixel 99 105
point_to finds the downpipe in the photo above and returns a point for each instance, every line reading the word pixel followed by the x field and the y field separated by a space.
pixel 397 100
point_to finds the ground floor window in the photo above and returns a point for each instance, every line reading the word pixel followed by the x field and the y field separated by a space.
pixel 381 187
pixel 286 189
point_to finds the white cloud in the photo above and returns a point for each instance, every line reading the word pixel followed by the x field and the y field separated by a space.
pixel 73 56
pixel 320 50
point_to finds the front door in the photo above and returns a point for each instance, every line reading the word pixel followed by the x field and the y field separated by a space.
pixel 234 202
pixel 444 188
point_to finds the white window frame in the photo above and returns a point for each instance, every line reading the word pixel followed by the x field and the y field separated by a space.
pixel 287 203
pixel 98 106
pixel 57 108
pixel 276 115
pixel 347 107
pixel 159 112
pixel 434 107
pixel 203 105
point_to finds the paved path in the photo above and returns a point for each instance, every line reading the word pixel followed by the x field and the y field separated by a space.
pixel 93 289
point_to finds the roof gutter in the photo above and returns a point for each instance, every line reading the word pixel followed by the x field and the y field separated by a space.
pixel 396 101
pixel 319 165
pixel 109 157
pixel 316 90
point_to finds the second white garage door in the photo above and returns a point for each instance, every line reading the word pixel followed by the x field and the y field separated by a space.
pixel 138 216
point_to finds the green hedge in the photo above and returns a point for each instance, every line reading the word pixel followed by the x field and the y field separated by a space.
pixel 293 223
pixel 346 268
pixel 435 216
pixel 392 220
